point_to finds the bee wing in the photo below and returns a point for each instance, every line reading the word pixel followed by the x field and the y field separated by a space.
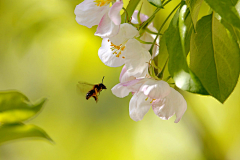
pixel 83 88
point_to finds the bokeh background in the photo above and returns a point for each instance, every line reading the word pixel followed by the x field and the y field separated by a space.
pixel 44 53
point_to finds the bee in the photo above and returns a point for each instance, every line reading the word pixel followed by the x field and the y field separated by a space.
pixel 93 90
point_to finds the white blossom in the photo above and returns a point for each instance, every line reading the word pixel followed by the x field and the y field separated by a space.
pixel 99 12
pixel 164 100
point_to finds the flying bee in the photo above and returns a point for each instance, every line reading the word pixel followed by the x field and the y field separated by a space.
pixel 93 90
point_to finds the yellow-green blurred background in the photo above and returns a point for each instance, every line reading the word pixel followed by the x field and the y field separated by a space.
pixel 44 53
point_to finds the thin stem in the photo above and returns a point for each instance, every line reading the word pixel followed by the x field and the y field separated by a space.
pixel 148 21
pixel 149 31
pixel 160 75
pixel 163 25
pixel 144 42
pixel 126 14
pixel 138 15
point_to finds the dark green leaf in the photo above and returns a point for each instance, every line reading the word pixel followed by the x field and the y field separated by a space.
pixel 194 6
pixel 16 107
pixel 156 3
pixel 177 66
pixel 130 9
pixel 16 131
pixel 226 9
pixel 215 57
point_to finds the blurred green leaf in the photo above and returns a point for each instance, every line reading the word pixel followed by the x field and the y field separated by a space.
pixel 215 57
pixel 194 6
pixel 16 107
pixel 178 68
pixel 16 131
pixel 226 9
pixel 156 3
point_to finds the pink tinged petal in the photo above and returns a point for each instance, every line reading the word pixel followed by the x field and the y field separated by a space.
pixel 147 36
pixel 89 14
pixel 122 89
pixel 156 89
pixel 138 106
pixel 107 55
pixel 106 27
pixel 125 75
pixel 114 12
pixel 137 58
pixel 143 17
pixel 174 103
pixel 126 32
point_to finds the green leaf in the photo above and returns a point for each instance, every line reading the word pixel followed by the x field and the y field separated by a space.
pixel 185 29
pixel 235 32
pixel 178 68
pixel 156 3
pixel 130 9
pixel 162 57
pixel 16 107
pixel 227 10
pixel 194 6
pixel 215 57
pixel 16 131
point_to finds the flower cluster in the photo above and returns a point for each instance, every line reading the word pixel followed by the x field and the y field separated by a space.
pixel 121 46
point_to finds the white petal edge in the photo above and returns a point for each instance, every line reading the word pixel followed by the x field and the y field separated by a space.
pixel 125 75
pixel 89 14
pixel 174 103
pixel 138 106
pixel 106 28
pixel 107 57
pixel 156 89
pixel 137 58
pixel 114 12
pixel 126 32
pixel 122 89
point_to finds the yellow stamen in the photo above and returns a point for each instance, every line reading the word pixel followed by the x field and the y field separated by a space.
pixel 118 54
pixel 117 49
pixel 152 100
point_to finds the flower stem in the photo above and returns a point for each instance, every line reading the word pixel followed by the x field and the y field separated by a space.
pixel 150 50
pixel 126 15
pixel 130 9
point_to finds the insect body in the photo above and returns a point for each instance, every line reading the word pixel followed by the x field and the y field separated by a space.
pixel 93 90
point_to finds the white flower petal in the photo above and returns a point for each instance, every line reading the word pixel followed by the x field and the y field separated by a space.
pixel 138 106
pixel 114 12
pixel 89 14
pixel 174 103
pixel 156 89
pixel 125 75
pixel 137 58
pixel 106 27
pixel 120 90
pixel 126 32
pixel 143 17
pixel 108 57
pixel 147 37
